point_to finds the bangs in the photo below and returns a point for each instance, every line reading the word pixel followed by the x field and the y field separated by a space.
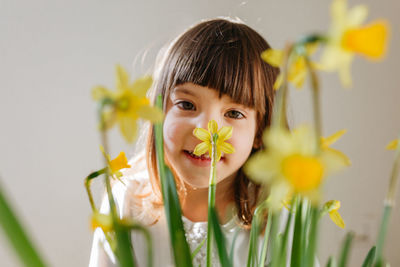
pixel 224 57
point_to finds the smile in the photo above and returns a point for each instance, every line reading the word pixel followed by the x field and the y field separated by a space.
pixel 203 160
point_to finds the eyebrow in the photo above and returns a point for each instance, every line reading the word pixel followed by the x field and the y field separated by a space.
pixel 184 91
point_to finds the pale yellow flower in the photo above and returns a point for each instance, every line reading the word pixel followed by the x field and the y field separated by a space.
pixel 393 144
pixel 332 207
pixel 206 136
pixel 347 36
pixel 297 69
pixel 290 163
pixel 128 103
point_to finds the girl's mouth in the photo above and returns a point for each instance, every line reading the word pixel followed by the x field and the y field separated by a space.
pixel 203 160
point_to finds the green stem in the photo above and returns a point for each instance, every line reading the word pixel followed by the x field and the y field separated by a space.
pixel 279 116
pixel 297 235
pixel 171 202
pixel 369 260
pixel 254 233
pixel 88 181
pixel 344 254
pixel 316 103
pixel 211 196
pixel 147 235
pixel 285 238
pixel 389 203
pixel 124 246
pixel 17 236
pixel 276 244
pixel 313 237
pixel 265 241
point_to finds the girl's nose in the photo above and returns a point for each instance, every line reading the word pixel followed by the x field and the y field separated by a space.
pixel 203 122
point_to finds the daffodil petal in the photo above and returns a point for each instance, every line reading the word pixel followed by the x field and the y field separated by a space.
pixel 218 155
pixel 122 78
pixel 141 86
pixel 345 70
pixel 369 40
pixel 278 82
pixel 225 133
pixel 150 113
pixel 357 15
pixel 226 148
pixel 202 134
pixel 273 57
pixel 262 167
pixel 336 218
pixel 327 141
pixel 120 162
pixel 212 126
pixel 338 10
pixel 334 161
pixel 393 144
pixel 128 128
pixel 201 148
pixel 100 92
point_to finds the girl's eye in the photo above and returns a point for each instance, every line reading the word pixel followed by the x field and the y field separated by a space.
pixel 185 105
pixel 234 114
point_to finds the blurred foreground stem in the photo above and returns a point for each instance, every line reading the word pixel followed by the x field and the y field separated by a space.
pixel 16 235
pixel 389 203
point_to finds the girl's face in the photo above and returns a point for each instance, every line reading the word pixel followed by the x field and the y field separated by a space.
pixel 190 106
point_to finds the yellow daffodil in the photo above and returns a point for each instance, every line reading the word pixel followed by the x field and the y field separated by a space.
pixel 128 103
pixel 206 136
pixel 393 144
pixel 297 70
pixel 347 37
pixel 332 208
pixel 116 165
pixel 290 163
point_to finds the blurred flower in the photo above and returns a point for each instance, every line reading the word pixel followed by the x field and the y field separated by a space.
pixel 128 103
pixel 332 208
pixel 297 69
pixel 206 136
pixel 347 37
pixel 393 144
pixel 290 163
pixel 117 164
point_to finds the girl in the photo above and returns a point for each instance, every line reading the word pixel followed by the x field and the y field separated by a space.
pixel 212 71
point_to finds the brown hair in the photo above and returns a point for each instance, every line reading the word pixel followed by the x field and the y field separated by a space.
pixel 224 56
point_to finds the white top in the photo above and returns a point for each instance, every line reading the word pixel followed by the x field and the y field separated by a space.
pixel 141 209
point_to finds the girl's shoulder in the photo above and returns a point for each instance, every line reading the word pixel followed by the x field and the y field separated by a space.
pixel 134 193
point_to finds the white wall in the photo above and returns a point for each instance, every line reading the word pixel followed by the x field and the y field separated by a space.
pixel 53 52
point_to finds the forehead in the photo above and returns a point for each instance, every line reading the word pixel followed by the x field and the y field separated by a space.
pixel 199 91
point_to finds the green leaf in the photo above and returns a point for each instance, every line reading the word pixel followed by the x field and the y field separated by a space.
pixel 331 262
pixel 219 240
pixel 297 236
pixel 172 206
pixel 253 242
pixel 345 251
pixel 369 260
pixel 17 236
pixel 265 242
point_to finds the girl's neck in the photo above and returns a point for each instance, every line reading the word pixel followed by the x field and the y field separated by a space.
pixel 195 203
